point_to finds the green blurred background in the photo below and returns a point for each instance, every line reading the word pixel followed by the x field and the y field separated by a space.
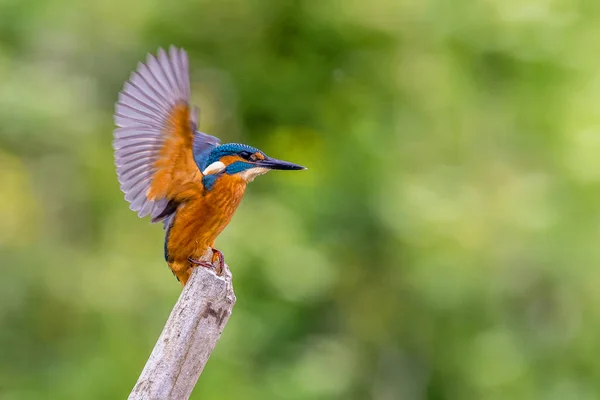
pixel 444 243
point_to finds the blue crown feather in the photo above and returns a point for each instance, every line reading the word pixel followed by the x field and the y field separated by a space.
pixel 228 149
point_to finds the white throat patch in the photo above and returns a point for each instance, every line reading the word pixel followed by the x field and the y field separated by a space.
pixel 249 174
pixel 213 168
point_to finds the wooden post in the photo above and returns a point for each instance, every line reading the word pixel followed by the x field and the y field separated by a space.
pixel 188 338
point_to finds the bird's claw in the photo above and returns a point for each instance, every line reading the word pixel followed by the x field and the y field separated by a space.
pixel 217 258
pixel 201 263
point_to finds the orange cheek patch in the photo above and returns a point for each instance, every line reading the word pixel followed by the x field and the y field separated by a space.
pixel 227 160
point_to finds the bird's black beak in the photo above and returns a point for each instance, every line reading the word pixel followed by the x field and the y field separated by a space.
pixel 273 163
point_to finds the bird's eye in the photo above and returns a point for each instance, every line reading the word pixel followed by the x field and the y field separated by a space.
pixel 245 155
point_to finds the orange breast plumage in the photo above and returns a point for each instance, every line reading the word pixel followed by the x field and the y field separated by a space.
pixel 199 221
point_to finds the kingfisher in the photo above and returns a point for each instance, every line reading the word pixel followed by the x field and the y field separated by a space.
pixel 174 173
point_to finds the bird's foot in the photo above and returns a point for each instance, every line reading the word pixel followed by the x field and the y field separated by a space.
pixel 217 258
pixel 200 263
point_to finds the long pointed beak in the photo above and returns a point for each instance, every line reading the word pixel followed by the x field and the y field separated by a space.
pixel 273 163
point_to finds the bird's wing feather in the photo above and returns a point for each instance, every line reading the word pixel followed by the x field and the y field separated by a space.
pixel 202 146
pixel 155 135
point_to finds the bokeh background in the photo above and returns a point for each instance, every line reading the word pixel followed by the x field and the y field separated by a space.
pixel 444 243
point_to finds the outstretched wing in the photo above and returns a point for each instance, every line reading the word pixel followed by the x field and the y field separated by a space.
pixel 156 134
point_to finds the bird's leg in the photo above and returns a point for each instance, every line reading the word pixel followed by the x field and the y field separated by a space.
pixel 200 263
pixel 221 260
pixel 217 258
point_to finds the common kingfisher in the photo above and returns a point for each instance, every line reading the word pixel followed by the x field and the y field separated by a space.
pixel 171 171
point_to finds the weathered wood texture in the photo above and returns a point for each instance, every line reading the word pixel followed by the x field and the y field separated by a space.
pixel 188 338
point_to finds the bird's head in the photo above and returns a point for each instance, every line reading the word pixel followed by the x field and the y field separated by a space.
pixel 242 160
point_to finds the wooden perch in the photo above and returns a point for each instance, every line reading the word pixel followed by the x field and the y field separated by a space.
pixel 189 337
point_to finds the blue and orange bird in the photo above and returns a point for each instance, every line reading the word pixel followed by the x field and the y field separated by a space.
pixel 174 173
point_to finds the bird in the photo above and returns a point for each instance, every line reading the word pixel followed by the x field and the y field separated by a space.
pixel 172 172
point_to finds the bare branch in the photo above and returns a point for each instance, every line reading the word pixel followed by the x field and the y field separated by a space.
pixel 189 337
